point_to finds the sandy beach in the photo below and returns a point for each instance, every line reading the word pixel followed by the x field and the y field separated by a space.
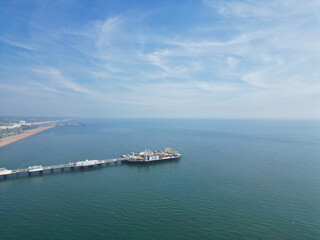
pixel 7 140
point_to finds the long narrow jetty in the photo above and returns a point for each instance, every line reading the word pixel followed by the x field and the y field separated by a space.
pixel 146 156
pixel 61 167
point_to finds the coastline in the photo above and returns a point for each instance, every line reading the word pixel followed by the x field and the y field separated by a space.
pixel 7 140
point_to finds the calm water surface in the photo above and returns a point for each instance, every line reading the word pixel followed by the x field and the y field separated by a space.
pixel 237 179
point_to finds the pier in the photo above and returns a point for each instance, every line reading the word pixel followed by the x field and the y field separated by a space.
pixel 79 165
pixel 146 156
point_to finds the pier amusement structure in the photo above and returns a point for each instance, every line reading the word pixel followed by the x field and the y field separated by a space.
pixel 146 156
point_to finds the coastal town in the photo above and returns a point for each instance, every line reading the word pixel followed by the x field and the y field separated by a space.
pixel 13 129
pixel 12 126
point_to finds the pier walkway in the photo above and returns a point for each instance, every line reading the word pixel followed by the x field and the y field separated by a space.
pixel 61 167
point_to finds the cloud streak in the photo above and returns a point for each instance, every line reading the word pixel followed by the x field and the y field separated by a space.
pixel 229 55
pixel 60 81
pixel 17 44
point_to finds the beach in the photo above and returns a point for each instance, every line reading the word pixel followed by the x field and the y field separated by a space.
pixel 7 140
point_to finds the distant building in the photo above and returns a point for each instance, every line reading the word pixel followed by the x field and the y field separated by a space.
pixel 15 125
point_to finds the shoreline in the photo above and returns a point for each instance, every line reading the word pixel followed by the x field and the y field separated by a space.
pixel 8 140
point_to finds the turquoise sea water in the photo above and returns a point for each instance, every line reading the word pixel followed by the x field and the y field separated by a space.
pixel 237 179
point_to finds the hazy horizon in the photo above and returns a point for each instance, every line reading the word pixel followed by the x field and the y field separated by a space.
pixel 188 60
pixel 163 118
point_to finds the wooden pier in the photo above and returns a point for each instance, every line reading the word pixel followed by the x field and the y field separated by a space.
pixel 61 167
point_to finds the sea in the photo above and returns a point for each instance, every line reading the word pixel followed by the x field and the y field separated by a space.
pixel 236 179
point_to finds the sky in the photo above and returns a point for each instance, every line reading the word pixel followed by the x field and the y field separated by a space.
pixel 160 59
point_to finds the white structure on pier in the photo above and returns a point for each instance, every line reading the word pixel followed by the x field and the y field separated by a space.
pixel 4 172
pixel 87 163
pixel 35 169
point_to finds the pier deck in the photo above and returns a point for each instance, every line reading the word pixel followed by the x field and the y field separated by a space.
pixel 72 165
pixel 146 156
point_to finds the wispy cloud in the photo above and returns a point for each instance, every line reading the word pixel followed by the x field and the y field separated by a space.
pixel 60 81
pixel 237 54
pixel 107 31
pixel 17 44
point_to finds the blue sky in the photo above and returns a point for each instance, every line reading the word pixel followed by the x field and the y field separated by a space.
pixel 172 59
